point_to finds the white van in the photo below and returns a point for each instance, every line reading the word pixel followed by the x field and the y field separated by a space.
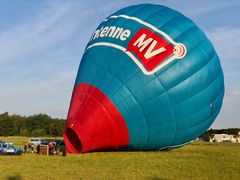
pixel 35 141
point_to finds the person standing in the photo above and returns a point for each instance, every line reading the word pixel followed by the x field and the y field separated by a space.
pixel 38 149
pixel 50 146
pixel 32 148
pixel 25 148
pixel 29 147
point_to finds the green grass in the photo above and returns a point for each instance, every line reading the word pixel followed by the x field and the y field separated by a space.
pixel 198 160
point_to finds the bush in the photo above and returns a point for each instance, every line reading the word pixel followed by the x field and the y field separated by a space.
pixel 38 132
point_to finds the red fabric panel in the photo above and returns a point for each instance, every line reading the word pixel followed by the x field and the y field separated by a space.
pixel 155 60
pixel 93 123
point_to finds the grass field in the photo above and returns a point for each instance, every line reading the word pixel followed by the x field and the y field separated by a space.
pixel 198 160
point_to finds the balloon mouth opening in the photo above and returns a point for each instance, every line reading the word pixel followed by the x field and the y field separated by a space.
pixel 73 141
pixel 93 123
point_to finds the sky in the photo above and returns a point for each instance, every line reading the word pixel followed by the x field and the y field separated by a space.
pixel 41 44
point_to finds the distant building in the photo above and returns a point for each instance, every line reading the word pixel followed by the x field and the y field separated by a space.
pixel 225 138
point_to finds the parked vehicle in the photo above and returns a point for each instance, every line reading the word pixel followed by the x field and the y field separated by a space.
pixel 60 147
pixel 44 142
pixel 8 148
pixel 35 141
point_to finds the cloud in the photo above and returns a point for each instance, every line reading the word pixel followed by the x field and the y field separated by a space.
pixel 51 96
pixel 234 93
pixel 228 117
pixel 226 41
pixel 55 24
pixel 206 7
pixel 23 93
pixel 35 35
pixel 39 57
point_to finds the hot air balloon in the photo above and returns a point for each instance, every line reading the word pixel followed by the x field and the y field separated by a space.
pixel 149 79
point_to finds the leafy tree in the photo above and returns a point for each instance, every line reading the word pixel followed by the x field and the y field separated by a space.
pixel 36 125
pixel 38 133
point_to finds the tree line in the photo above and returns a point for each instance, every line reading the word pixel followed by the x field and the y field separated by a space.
pixel 210 133
pixel 36 125
pixel 44 125
pixel 233 131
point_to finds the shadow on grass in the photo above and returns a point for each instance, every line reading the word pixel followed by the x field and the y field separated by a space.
pixel 15 177
pixel 131 150
pixel 157 178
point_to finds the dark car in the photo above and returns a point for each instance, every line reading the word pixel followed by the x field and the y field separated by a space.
pixel 60 147
pixel 44 142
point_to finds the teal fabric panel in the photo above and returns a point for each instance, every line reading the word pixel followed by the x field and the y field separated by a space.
pixel 172 106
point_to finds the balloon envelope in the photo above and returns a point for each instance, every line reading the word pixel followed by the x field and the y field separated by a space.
pixel 149 79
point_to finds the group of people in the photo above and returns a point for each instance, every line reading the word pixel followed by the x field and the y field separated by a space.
pixel 31 147
pixel 28 148
pixel 52 148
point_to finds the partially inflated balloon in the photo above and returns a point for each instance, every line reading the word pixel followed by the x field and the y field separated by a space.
pixel 149 79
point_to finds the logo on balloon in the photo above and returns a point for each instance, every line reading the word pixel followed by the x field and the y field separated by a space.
pixel 150 48
pixel 154 51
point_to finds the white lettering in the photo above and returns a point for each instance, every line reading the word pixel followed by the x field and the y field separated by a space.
pixel 117 32
pixel 96 34
pixel 142 43
pixel 125 34
pixel 112 32
pixel 103 32
pixel 150 53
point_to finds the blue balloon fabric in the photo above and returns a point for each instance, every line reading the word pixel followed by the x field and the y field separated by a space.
pixel 159 70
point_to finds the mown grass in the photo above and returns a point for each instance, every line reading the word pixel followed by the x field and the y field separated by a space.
pixel 198 160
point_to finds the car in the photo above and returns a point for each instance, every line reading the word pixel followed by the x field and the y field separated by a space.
pixel 44 142
pixel 61 147
pixel 35 141
pixel 8 149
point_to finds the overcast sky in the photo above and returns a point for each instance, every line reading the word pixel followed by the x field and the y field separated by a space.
pixel 41 44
